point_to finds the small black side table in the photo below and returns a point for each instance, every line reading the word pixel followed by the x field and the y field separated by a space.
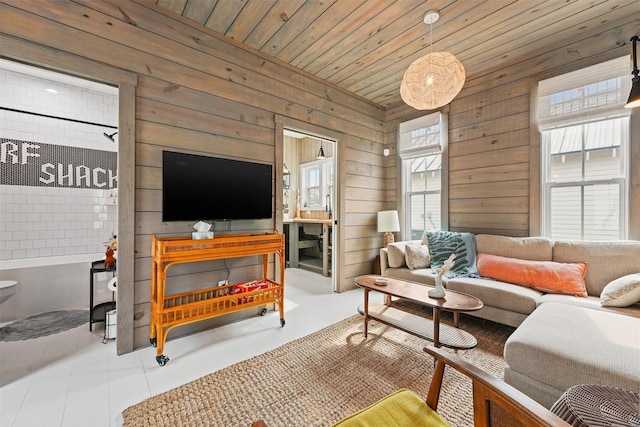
pixel 99 312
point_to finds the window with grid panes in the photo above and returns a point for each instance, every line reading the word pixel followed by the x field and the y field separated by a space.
pixel 420 149
pixel 585 149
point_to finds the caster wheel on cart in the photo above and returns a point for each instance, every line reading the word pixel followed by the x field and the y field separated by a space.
pixel 281 322
pixel 153 341
pixel 162 360
pixel 263 312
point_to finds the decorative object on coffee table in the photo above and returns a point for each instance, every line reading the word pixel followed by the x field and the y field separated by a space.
pixel 438 291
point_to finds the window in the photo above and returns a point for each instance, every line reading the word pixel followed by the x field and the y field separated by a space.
pixel 585 143
pixel 317 184
pixel 420 148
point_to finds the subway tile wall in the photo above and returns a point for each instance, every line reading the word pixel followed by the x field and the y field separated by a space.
pixel 37 222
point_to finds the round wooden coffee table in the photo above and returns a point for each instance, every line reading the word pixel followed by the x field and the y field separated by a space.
pixel 432 330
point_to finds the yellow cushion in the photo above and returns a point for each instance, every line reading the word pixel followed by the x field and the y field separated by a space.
pixel 402 408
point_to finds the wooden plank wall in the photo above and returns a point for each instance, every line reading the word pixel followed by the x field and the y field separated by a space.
pixel 493 139
pixel 200 93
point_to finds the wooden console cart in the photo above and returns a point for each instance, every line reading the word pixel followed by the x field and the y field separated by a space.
pixel 169 311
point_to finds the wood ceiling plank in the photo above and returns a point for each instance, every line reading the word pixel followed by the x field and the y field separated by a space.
pixel 223 15
pixel 199 10
pixel 385 95
pixel 583 50
pixel 301 19
pixel 277 17
pixel 176 5
pixel 396 34
pixel 467 23
pixel 248 18
pixel 544 34
pixel 368 27
pixel 602 13
pixel 315 30
pixel 335 32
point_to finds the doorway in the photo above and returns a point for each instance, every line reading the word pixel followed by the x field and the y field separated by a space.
pixel 309 201
pixel 59 165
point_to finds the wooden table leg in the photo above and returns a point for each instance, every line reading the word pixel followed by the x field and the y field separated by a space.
pixel 436 327
pixel 366 311
pixel 325 250
pixel 456 319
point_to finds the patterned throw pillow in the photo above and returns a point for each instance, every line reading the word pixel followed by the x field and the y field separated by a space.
pixel 621 292
pixel 416 256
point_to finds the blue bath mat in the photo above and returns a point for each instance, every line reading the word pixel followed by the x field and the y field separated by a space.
pixel 41 325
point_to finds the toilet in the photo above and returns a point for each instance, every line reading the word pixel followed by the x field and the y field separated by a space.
pixel 7 288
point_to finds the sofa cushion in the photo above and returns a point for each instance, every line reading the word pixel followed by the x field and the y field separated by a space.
pixel 591 303
pixel 424 275
pixel 505 296
pixel 416 256
pixel 395 253
pixel 607 260
pixel 533 248
pixel 562 345
pixel 545 276
pixel 622 292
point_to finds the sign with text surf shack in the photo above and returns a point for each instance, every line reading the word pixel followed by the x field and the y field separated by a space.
pixel 35 164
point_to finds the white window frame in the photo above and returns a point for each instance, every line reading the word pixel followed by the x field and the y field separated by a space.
pixel 580 106
pixel 324 167
pixel 410 148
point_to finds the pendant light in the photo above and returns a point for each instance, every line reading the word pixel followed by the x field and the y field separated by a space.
pixel 634 96
pixel 320 152
pixel 435 79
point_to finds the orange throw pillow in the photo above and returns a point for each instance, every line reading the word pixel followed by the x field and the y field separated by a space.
pixel 545 276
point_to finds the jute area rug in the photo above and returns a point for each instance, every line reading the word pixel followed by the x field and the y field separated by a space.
pixel 323 377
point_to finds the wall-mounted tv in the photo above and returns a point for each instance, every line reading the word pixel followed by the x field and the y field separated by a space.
pixel 210 188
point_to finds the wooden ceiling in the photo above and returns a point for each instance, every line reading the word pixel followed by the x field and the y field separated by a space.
pixel 364 46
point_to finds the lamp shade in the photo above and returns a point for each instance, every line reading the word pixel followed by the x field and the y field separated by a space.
pixel 388 221
pixel 432 81
pixel 634 96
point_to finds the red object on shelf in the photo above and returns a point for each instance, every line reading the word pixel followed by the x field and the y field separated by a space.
pixel 241 288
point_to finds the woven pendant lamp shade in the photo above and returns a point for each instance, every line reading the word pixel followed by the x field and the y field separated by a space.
pixel 432 81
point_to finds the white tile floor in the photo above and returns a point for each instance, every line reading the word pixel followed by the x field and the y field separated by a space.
pixel 73 379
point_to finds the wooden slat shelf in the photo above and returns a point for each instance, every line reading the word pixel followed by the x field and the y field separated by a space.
pixel 169 311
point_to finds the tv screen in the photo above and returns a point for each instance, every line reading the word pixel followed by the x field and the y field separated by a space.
pixel 209 188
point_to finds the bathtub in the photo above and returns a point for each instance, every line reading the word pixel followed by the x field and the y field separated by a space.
pixel 51 283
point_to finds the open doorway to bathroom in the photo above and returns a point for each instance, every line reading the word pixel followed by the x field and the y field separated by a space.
pixel 309 194
pixel 58 187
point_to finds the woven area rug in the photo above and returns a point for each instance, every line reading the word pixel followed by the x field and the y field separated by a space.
pixel 323 377
pixel 41 325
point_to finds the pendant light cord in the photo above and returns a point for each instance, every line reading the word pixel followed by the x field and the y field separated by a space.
pixel 635 71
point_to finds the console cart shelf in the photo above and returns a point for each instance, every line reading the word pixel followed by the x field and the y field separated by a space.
pixel 169 311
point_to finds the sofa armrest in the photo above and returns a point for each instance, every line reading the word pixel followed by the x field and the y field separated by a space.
pixel 384 260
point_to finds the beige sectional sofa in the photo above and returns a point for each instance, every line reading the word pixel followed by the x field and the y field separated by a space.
pixel 561 340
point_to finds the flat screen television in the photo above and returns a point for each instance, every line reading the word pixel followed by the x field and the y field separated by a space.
pixel 205 188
